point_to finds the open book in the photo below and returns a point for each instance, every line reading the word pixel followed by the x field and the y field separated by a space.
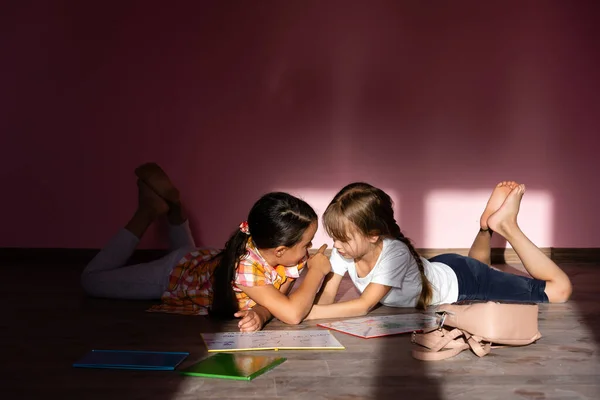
pixel 271 340
pixel 382 325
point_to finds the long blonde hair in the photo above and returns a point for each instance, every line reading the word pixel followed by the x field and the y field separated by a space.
pixel 371 210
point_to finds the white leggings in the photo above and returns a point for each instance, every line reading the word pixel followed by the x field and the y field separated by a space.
pixel 108 276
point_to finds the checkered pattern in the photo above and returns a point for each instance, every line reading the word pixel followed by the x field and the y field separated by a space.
pixel 190 284
pixel 253 270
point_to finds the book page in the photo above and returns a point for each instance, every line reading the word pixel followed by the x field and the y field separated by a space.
pixel 270 340
pixel 382 325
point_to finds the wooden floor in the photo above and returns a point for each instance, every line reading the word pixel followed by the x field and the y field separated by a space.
pixel 44 331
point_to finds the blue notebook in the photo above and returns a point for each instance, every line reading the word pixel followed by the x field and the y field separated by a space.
pixel 128 359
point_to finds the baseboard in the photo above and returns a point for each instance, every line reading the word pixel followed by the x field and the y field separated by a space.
pixel 64 256
pixel 506 255
pixel 583 255
pixel 499 255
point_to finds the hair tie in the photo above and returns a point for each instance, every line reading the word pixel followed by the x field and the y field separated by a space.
pixel 244 228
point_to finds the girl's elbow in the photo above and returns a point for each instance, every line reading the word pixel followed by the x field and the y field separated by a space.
pixel 292 320
pixel 364 309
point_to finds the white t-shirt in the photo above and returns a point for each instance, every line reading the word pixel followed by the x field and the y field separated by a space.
pixel 397 268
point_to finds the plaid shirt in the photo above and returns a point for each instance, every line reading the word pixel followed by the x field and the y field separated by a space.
pixel 190 283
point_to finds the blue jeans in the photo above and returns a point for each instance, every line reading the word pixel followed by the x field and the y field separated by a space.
pixel 478 281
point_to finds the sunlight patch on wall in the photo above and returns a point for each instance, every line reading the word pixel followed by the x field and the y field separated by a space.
pixel 452 217
pixel 319 199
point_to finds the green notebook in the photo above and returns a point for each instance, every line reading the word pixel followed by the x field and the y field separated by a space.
pixel 233 366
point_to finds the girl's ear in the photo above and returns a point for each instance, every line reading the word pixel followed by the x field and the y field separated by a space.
pixel 280 250
pixel 373 238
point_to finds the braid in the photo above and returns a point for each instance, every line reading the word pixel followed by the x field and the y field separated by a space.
pixel 426 291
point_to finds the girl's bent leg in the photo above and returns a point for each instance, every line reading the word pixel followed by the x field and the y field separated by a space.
pixel 115 254
pixel 180 236
pixel 481 247
pixel 538 265
pixel 106 276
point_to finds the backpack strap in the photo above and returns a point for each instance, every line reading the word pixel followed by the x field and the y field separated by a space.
pixel 438 344
pixel 475 342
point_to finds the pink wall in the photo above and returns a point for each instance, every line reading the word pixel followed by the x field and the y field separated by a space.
pixel 234 101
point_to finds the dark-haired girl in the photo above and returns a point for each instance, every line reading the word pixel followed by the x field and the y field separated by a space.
pixel 249 279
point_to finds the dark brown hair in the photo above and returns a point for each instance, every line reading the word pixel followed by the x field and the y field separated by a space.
pixel 371 210
pixel 276 219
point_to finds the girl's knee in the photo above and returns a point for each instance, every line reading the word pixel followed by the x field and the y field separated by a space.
pixel 559 292
pixel 87 281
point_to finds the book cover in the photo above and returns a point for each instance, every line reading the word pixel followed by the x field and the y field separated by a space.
pixel 131 359
pixel 233 366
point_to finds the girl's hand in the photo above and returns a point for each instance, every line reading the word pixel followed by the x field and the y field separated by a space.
pixel 319 261
pixel 251 321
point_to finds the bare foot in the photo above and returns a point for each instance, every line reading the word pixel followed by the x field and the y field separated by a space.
pixel 150 206
pixel 157 180
pixel 498 196
pixel 505 219
pixel 149 202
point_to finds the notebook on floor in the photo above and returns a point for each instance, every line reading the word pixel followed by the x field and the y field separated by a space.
pixel 382 325
pixel 271 340
pixel 129 359
pixel 233 366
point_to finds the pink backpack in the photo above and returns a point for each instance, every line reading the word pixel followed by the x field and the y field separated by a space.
pixel 477 325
